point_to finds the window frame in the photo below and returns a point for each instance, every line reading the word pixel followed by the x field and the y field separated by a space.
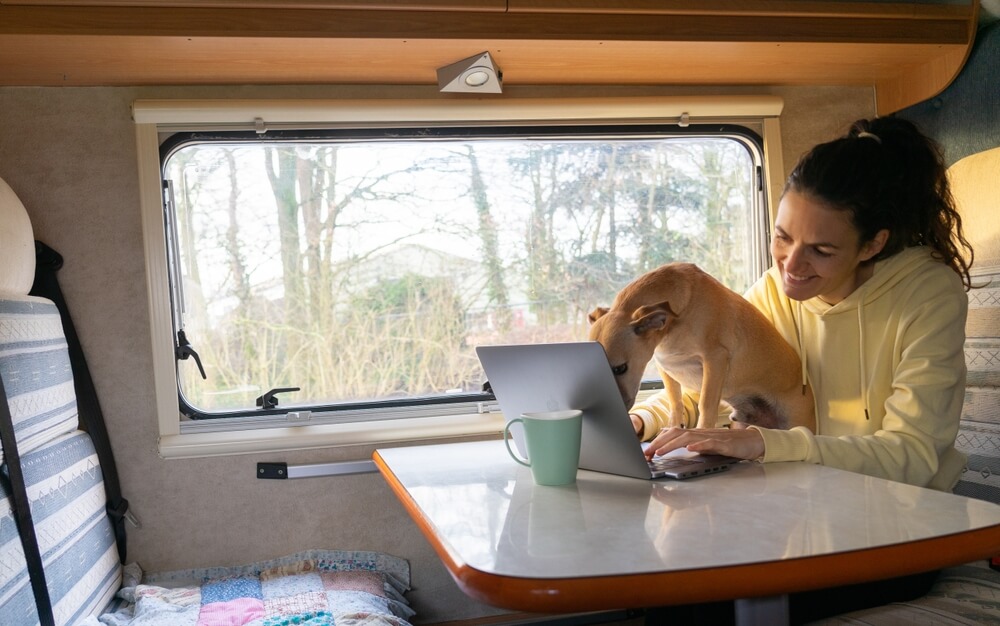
pixel 752 118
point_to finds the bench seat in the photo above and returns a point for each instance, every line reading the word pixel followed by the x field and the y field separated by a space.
pixel 86 582
pixel 966 595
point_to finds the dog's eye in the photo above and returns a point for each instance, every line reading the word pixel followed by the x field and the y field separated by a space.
pixel 618 370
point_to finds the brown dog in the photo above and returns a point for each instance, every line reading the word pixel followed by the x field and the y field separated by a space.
pixel 705 337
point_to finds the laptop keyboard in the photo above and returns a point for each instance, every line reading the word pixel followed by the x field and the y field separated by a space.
pixel 660 464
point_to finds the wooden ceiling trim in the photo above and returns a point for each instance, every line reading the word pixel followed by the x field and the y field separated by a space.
pixel 372 5
pixel 784 8
pixel 718 8
pixel 916 83
pixel 128 60
pixel 216 22
pixel 906 52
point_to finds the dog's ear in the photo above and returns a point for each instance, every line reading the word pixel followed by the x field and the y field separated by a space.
pixel 597 314
pixel 651 317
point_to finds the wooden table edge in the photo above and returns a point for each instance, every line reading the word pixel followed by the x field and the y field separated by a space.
pixel 597 593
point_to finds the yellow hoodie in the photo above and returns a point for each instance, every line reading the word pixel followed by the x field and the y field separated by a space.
pixel 887 368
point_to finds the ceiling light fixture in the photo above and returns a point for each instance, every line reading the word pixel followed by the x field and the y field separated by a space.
pixel 476 74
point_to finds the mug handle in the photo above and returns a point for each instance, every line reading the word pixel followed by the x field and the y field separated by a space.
pixel 506 441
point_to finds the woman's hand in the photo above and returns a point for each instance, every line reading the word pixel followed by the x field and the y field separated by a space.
pixel 637 424
pixel 744 443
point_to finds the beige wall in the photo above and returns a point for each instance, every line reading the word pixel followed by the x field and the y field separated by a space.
pixel 69 154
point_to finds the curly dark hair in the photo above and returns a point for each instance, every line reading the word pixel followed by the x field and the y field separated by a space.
pixel 890 176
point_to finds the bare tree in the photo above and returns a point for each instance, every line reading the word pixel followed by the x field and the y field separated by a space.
pixel 282 171
pixel 237 260
pixel 492 261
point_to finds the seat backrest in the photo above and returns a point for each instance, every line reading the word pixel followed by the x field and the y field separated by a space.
pixel 61 469
pixel 973 182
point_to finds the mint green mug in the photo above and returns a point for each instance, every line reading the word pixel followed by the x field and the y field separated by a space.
pixel 552 439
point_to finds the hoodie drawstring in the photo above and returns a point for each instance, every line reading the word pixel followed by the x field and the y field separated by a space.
pixel 861 356
pixel 802 350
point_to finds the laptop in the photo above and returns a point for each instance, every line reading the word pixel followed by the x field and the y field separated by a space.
pixel 576 375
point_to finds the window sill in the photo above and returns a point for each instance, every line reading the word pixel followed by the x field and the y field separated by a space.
pixel 307 437
pixel 311 437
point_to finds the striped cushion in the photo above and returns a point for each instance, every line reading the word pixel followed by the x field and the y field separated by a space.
pixel 34 364
pixel 962 596
pixel 980 441
pixel 66 490
pixel 63 475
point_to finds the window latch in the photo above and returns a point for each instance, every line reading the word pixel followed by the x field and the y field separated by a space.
pixel 183 350
pixel 268 401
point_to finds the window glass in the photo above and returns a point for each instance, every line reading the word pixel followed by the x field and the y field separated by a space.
pixel 363 267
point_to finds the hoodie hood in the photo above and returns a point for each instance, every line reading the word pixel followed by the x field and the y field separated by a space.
pixel 887 274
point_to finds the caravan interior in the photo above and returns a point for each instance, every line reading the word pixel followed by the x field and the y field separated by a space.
pixel 284 229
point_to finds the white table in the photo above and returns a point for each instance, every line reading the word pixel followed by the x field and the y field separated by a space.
pixel 755 533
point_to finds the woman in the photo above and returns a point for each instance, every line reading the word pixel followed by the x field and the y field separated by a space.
pixel 868 285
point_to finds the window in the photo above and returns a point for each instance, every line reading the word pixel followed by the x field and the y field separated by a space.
pixel 392 255
pixel 350 270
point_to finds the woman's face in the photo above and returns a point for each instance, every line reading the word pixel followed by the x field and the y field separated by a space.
pixel 817 250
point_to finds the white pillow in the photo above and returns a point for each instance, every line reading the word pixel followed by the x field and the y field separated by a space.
pixel 17 245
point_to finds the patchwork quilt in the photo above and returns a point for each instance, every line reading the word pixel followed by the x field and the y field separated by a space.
pixel 315 588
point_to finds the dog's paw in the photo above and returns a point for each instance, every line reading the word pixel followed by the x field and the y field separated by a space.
pixel 676 420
